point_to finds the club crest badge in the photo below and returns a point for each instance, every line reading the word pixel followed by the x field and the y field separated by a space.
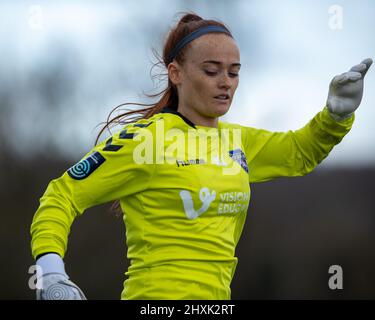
pixel 238 156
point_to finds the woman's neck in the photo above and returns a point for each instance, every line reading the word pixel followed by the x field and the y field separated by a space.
pixel 197 118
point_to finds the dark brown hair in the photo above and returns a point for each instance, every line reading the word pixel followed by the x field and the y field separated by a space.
pixel 189 22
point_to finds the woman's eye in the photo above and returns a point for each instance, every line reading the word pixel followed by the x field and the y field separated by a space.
pixel 210 73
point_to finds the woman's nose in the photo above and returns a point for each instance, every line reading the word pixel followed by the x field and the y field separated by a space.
pixel 225 81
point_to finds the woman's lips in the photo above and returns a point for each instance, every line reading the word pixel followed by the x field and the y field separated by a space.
pixel 223 101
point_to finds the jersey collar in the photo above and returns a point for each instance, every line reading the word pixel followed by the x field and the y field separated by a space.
pixel 169 110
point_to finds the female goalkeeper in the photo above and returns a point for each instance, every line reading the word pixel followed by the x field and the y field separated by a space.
pixel 184 202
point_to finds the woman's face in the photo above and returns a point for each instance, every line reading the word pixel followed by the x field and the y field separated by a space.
pixel 210 69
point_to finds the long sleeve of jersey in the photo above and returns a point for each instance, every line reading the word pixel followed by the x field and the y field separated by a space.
pixel 292 153
pixel 107 173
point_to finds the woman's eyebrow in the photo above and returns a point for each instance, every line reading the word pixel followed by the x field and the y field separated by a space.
pixel 220 63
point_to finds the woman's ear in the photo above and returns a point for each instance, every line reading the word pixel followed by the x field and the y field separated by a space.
pixel 174 73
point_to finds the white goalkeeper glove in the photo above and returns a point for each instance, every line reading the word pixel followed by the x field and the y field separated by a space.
pixel 346 90
pixel 55 283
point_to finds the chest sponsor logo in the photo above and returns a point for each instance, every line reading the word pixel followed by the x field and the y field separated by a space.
pixel 233 202
pixel 230 202
pixel 206 198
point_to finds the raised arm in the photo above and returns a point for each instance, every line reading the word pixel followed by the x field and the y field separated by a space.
pixel 295 153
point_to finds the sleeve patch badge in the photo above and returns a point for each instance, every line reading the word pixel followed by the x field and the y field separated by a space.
pixel 85 167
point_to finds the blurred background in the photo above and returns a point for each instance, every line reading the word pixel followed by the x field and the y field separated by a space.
pixel 64 65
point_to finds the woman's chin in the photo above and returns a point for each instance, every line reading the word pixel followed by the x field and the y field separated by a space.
pixel 220 110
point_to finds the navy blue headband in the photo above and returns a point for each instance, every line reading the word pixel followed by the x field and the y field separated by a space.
pixel 190 37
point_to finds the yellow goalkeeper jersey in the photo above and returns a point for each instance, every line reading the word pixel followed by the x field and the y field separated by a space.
pixel 184 190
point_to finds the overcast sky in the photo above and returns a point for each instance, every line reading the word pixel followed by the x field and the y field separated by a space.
pixel 98 54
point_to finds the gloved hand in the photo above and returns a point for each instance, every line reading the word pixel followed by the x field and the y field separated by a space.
pixel 346 90
pixel 55 282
